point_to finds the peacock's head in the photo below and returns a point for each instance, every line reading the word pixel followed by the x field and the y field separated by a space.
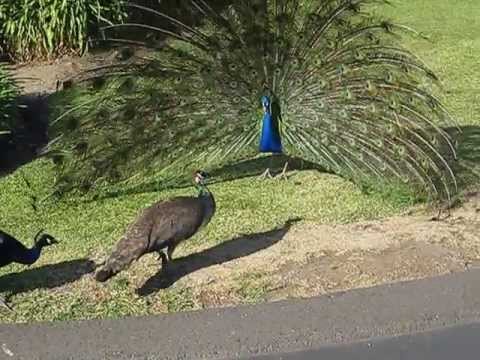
pixel 266 103
pixel 200 177
pixel 45 240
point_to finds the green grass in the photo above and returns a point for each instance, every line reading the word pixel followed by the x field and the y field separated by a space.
pixel 89 230
pixel 452 52
pixel 253 287
pixel 55 289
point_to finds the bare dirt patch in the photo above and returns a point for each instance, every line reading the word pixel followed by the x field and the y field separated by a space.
pixel 42 77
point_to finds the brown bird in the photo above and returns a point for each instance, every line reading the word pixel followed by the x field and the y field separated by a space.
pixel 162 226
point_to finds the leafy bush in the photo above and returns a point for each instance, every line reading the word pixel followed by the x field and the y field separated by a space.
pixel 8 94
pixel 46 28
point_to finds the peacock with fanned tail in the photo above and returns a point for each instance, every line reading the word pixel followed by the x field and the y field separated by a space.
pixel 333 83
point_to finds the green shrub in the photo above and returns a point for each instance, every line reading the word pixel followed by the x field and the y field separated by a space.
pixel 47 28
pixel 8 94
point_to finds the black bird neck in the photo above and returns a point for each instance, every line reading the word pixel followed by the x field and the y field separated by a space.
pixel 38 245
pixel 31 255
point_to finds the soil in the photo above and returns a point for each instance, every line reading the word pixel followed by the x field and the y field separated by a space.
pixel 311 259
pixel 45 77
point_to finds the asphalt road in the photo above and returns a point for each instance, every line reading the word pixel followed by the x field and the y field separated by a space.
pixel 275 328
pixel 452 343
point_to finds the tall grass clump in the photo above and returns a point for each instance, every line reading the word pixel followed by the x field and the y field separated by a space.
pixel 8 94
pixel 32 29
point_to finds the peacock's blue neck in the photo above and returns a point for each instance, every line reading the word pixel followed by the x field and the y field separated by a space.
pixel 267 116
pixel 31 255
pixel 270 140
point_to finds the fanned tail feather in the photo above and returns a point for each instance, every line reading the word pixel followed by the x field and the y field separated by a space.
pixel 352 99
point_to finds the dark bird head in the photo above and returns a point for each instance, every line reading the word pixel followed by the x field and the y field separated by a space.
pixel 44 239
pixel 266 104
pixel 200 177
pixel 103 275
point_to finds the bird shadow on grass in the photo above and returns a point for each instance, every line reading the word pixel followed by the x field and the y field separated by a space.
pixel 229 172
pixel 28 137
pixel 467 168
pixel 229 250
pixel 255 167
pixel 46 277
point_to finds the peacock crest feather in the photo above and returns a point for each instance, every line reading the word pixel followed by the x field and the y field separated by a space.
pixel 349 97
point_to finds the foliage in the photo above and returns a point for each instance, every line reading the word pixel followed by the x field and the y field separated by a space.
pixel 47 28
pixel 8 94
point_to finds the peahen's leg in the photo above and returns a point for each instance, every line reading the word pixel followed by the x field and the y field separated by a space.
pixel 170 250
pixel 438 217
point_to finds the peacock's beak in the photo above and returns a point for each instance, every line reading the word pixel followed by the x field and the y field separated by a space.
pixel 53 241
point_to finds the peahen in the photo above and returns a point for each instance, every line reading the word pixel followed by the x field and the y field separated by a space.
pixel 162 226
pixel 335 85
pixel 13 251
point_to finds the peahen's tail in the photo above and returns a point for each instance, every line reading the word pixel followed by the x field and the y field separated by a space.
pixel 126 251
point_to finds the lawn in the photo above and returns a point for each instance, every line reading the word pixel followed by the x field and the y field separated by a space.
pixel 55 288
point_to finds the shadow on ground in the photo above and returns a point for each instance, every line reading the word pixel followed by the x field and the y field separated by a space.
pixel 178 10
pixel 255 167
pixel 235 171
pixel 22 146
pixel 467 167
pixel 229 250
pixel 46 277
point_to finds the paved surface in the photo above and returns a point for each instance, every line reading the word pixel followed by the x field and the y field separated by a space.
pixel 458 343
pixel 246 332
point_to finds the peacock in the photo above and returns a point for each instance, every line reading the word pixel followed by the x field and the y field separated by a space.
pixel 162 226
pixel 334 85
pixel 270 139
pixel 13 251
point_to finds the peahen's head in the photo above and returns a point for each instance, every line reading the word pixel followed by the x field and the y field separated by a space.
pixel 45 240
pixel 104 274
pixel 200 177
